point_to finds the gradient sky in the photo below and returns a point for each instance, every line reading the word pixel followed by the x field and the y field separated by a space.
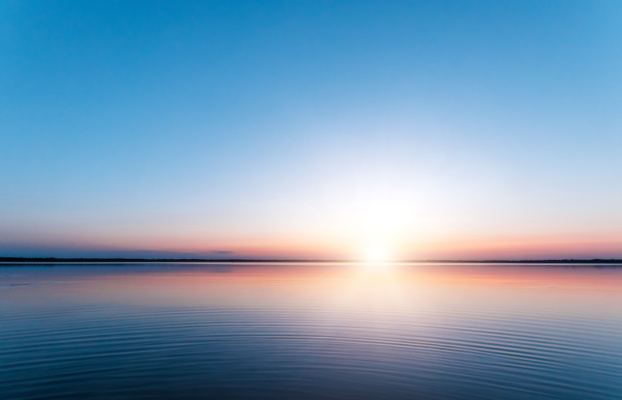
pixel 322 129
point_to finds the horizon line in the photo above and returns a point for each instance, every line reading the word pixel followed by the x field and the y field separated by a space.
pixel 285 260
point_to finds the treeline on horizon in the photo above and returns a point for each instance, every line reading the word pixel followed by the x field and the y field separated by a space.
pixel 241 260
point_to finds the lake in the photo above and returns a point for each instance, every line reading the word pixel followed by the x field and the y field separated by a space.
pixel 310 331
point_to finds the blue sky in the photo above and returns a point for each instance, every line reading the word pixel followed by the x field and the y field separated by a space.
pixel 311 128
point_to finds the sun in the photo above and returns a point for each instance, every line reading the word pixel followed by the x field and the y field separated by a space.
pixel 376 254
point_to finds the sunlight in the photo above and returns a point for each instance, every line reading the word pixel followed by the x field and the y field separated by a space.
pixel 378 216
pixel 376 255
pixel 379 226
pixel 376 259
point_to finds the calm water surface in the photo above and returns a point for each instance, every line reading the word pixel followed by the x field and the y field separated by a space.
pixel 310 331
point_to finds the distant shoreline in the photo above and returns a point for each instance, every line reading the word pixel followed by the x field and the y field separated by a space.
pixel 47 260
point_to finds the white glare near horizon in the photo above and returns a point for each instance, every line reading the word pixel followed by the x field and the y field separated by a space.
pixel 374 203
pixel 380 221
pixel 376 254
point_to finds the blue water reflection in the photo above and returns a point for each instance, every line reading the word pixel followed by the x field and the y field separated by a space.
pixel 310 331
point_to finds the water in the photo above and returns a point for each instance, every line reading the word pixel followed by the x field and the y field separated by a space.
pixel 310 331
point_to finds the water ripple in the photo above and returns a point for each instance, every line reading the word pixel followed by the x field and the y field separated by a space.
pixel 264 333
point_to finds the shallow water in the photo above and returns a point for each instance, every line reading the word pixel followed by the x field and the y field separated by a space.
pixel 310 331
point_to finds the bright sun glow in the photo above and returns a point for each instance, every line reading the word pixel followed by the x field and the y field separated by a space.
pixel 376 254
pixel 381 225
pixel 380 216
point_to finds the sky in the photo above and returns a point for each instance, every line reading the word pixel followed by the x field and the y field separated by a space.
pixel 311 129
